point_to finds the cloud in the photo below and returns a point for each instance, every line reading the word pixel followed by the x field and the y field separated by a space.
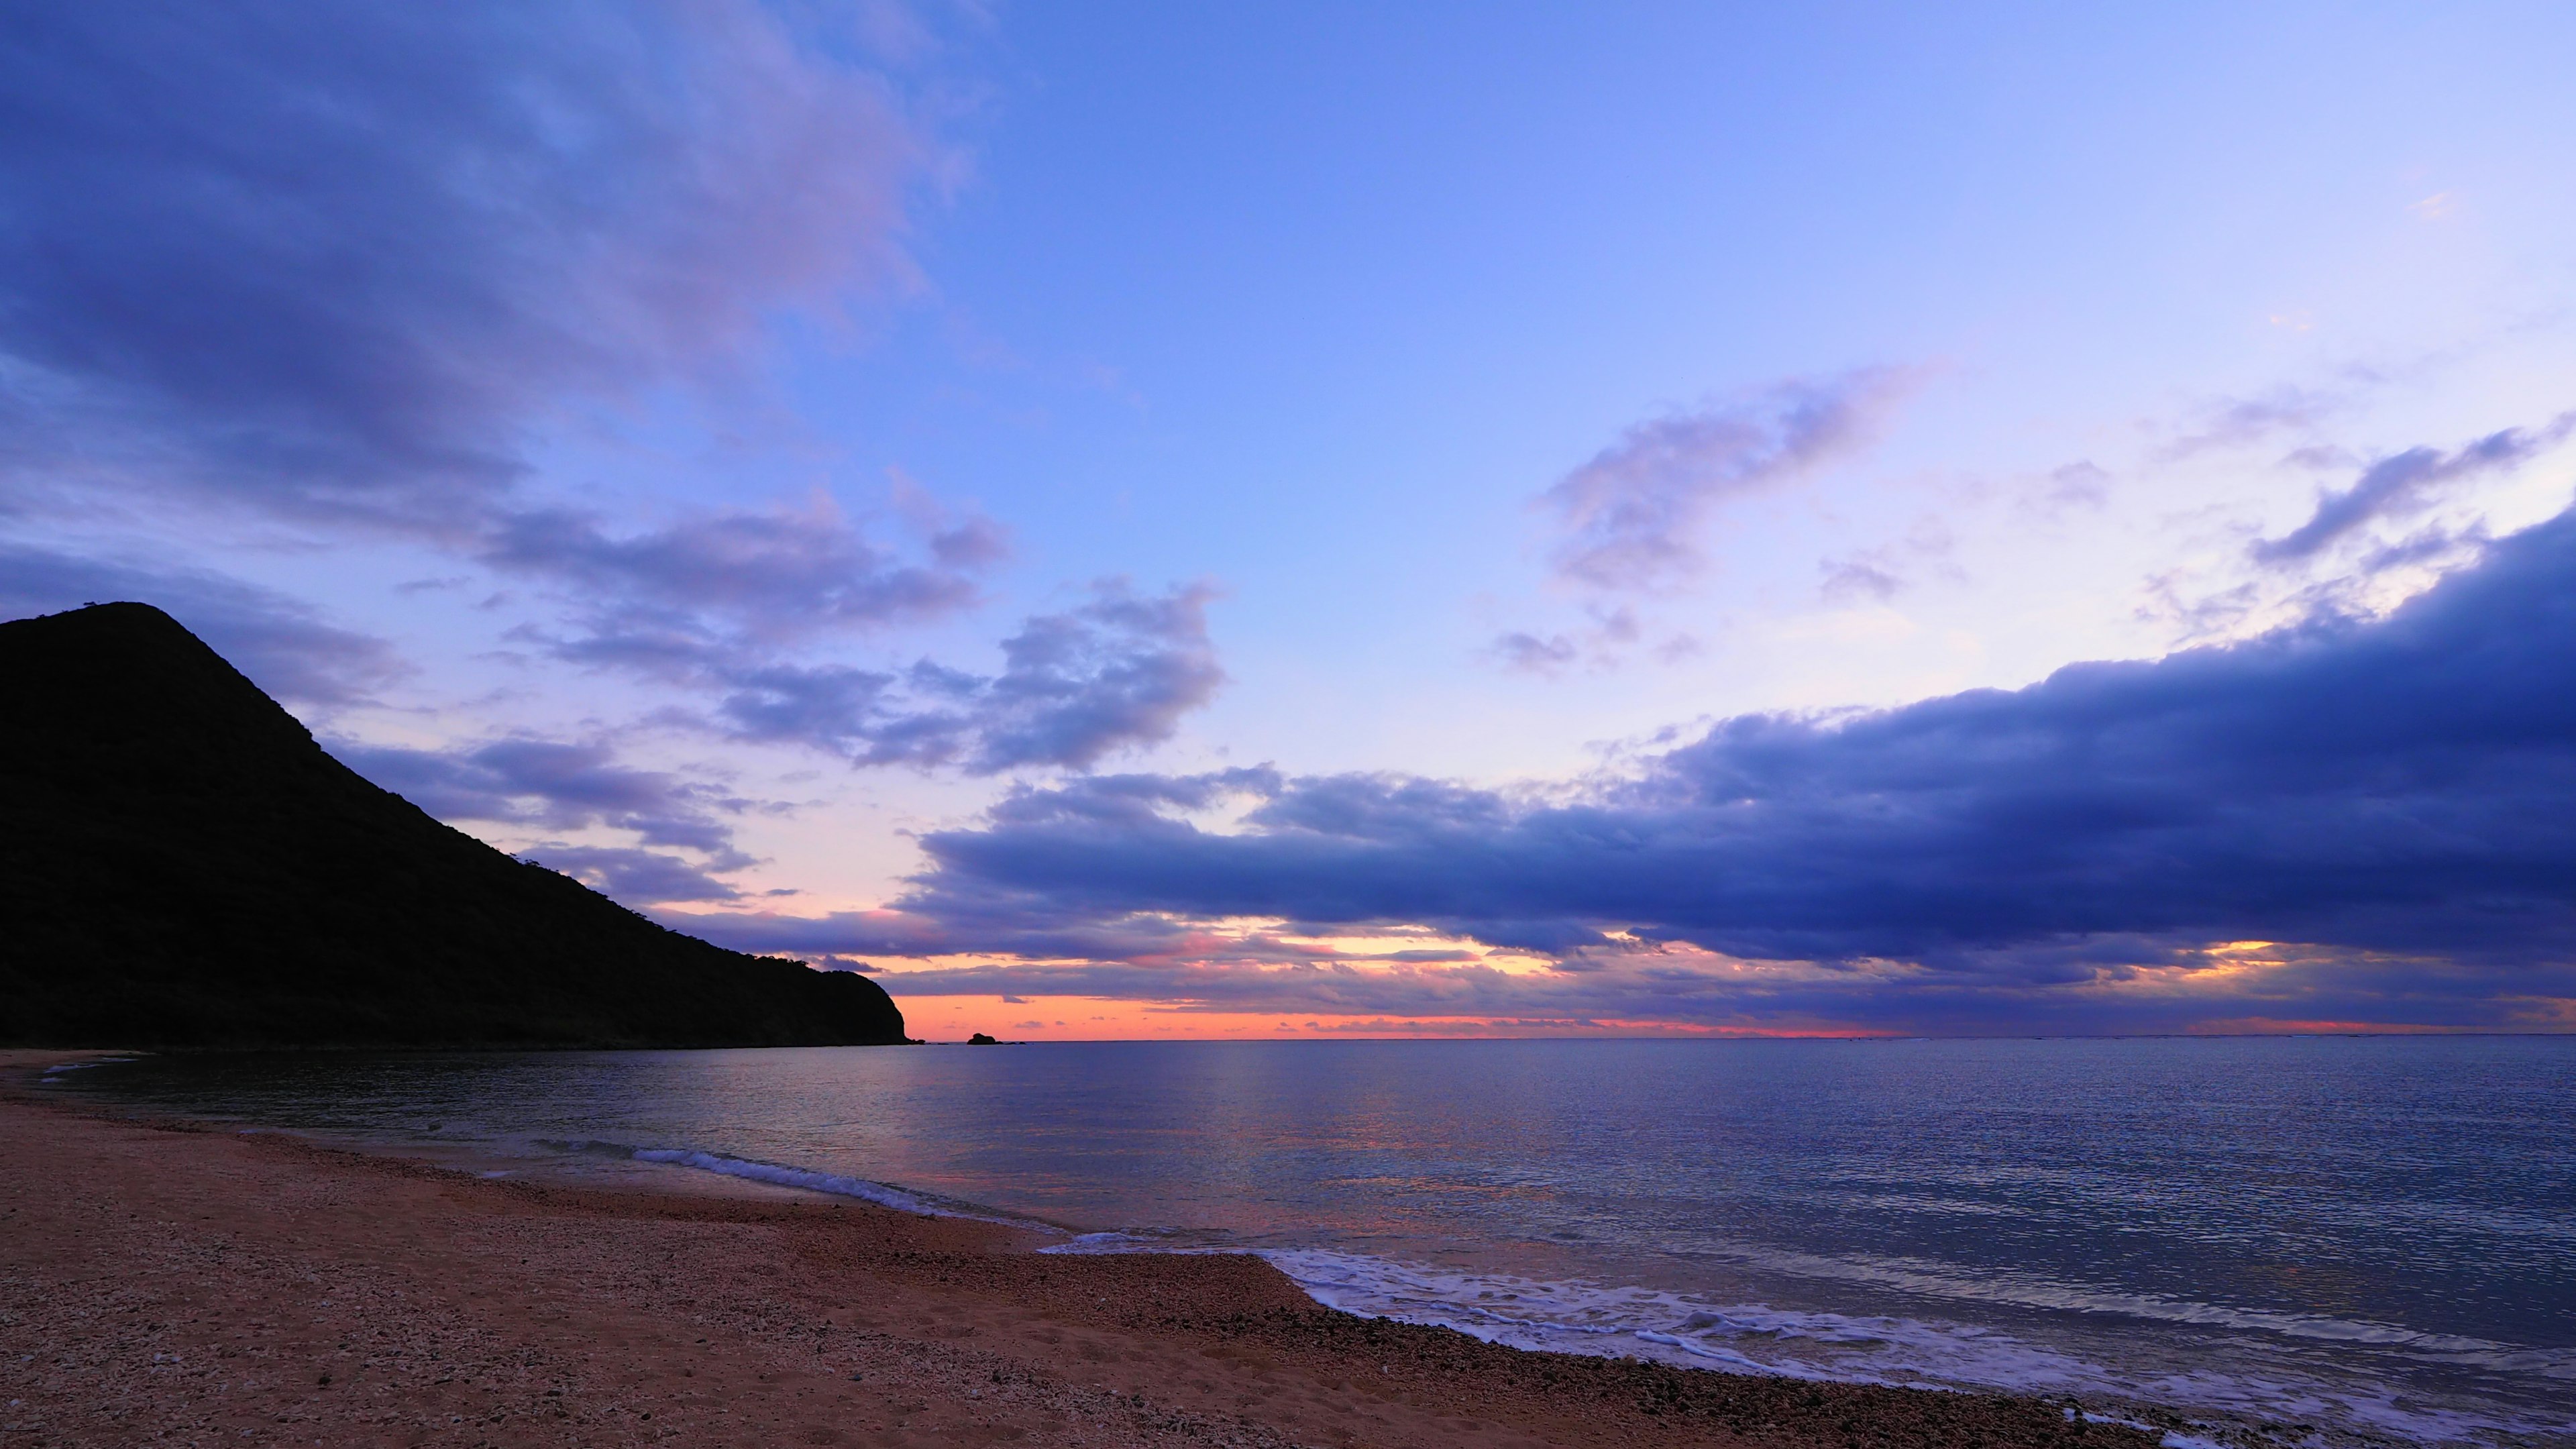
pixel 1629 519
pixel 722 584
pixel 1531 654
pixel 2403 483
pixel 1609 642
pixel 354 267
pixel 1115 673
pixel 2080 483
pixel 2239 422
pixel 554 785
pixel 1672 990
pixel 2391 803
pixel 1848 580
pixel 280 644
pixel 630 875
pixel 343 261
pixel 1881 573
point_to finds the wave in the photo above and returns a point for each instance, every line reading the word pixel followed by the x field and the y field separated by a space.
pixel 59 1068
pixel 1599 1319
pixel 1683 1329
pixel 2011 1289
pixel 882 1194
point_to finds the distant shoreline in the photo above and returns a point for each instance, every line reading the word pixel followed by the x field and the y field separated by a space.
pixel 202 1282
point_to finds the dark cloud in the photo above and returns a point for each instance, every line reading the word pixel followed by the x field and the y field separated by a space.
pixel 553 785
pixel 2405 482
pixel 340 260
pixel 2396 797
pixel 1114 673
pixel 282 645
pixel 1631 516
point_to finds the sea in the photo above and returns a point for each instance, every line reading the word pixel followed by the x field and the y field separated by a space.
pixel 2338 1241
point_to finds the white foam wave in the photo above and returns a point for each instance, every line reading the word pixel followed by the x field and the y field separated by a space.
pixel 59 1068
pixel 2027 1290
pixel 1106 1243
pixel 882 1194
pixel 1591 1318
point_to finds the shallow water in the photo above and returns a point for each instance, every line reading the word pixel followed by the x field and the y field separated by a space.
pixel 2374 1236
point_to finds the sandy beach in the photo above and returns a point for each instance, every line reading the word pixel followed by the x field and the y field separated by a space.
pixel 167 1283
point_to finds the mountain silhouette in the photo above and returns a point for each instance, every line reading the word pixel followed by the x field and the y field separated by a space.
pixel 182 866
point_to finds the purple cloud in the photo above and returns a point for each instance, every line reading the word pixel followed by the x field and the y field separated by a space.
pixel 1630 518
pixel 1849 579
pixel 630 875
pixel 722 584
pixel 2396 799
pixel 1115 673
pixel 348 265
pixel 280 644
pixel 2237 422
pixel 339 261
pixel 2402 483
pixel 554 785
pixel 1532 654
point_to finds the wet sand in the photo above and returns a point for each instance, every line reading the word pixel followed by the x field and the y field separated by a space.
pixel 167 1283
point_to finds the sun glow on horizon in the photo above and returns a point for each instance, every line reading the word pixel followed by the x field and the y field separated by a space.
pixel 1077 1019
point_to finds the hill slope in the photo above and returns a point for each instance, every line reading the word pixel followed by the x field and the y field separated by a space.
pixel 181 865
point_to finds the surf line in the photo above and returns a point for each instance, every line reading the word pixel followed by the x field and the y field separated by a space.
pixel 882 1194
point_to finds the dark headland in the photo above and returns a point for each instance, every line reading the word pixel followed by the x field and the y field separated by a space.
pixel 182 866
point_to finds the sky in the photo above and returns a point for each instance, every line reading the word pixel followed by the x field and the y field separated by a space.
pixel 1276 521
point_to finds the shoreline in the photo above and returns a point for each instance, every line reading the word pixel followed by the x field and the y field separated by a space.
pixel 167 1281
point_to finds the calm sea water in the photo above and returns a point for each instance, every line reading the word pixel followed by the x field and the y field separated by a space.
pixel 2375 1237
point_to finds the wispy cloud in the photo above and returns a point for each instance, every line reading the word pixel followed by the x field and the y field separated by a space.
pixel 1601 645
pixel 1534 653
pixel 338 262
pixel 558 785
pixel 554 785
pixel 2239 422
pixel 348 267
pixel 726 581
pixel 1882 572
pixel 632 875
pixel 1847 580
pixel 283 645
pixel 352 267
pixel 2406 482
pixel 1116 672
pixel 1631 518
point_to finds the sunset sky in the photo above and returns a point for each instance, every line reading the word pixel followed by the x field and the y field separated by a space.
pixel 1135 521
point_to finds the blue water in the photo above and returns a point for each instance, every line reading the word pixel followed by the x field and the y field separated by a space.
pixel 2375 1237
